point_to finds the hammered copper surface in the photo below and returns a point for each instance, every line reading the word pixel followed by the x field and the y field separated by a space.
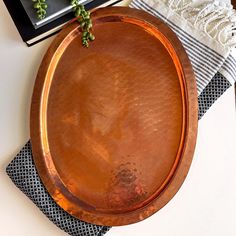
pixel 113 126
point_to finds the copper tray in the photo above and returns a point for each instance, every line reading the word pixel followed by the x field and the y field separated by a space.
pixel 113 126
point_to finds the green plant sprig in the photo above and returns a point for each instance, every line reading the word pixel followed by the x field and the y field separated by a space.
pixel 40 6
pixel 83 17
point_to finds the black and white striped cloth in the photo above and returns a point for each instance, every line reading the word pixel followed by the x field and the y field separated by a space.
pixel 215 71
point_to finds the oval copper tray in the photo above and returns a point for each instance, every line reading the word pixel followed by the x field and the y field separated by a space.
pixel 113 126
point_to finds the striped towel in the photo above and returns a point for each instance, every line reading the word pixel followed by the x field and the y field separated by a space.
pixel 207 33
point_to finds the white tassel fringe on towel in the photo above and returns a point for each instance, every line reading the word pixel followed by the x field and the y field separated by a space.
pixel 216 18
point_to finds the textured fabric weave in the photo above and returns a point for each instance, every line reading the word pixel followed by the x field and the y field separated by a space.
pixel 23 173
pixel 218 85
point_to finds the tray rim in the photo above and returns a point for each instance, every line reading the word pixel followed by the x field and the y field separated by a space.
pixel 191 124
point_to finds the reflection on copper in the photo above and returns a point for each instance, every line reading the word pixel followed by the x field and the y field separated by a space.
pixel 114 126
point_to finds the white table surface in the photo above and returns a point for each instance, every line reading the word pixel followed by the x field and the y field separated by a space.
pixel 206 203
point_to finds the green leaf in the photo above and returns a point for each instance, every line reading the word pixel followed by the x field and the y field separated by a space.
pixel 83 17
pixel 37 5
